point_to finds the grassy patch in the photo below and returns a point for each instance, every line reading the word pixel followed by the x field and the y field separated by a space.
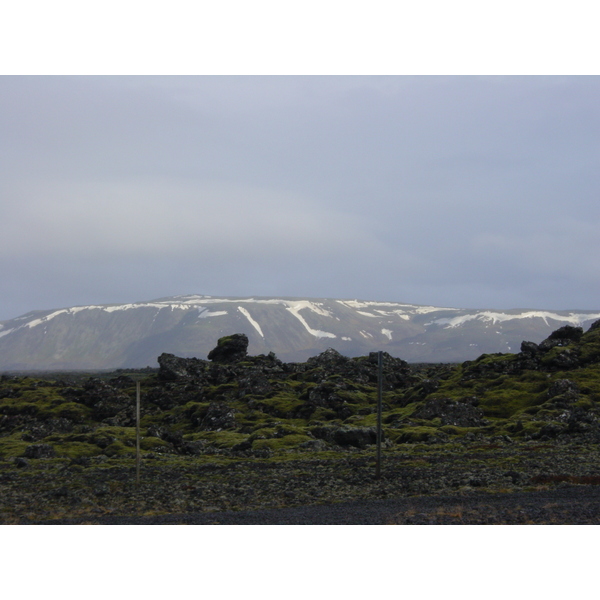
pixel 280 443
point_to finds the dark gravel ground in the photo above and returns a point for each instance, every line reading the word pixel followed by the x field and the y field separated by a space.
pixel 569 505
pixel 492 483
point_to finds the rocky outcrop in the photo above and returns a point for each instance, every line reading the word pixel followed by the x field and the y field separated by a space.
pixel 255 383
pixel 40 451
pixel 359 437
pixel 107 403
pixel 529 348
pixel 563 392
pixel 364 370
pixel 172 368
pixel 218 416
pixel 561 350
pixel 450 412
pixel 230 349
pixel 565 335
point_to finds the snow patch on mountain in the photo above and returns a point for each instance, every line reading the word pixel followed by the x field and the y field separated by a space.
pixel 575 319
pixel 402 310
pixel 204 313
pixel 252 321
pixel 295 309
pixel 398 313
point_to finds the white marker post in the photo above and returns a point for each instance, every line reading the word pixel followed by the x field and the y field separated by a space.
pixel 379 394
pixel 137 432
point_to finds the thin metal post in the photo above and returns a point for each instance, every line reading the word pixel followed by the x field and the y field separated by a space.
pixel 137 432
pixel 379 394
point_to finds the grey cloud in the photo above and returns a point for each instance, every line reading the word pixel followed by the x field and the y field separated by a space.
pixel 465 191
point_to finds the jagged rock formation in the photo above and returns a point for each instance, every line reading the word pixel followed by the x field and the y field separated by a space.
pixel 255 406
pixel 230 349
pixel 463 414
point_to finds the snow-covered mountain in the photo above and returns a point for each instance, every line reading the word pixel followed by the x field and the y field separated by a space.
pixel 134 335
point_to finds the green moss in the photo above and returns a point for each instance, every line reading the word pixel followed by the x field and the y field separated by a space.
pixel 292 383
pixel 504 403
pixel 118 449
pixel 12 446
pixel 281 443
pixel 281 405
pixel 44 403
pixel 412 435
pixel 276 430
pixel 589 346
pixel 220 392
pixel 150 443
pixel 459 431
pixel 494 359
pixel 554 355
pixel 76 449
pixel 219 439
pixel 121 433
pixel 323 414
pixel 587 379
pixel 73 411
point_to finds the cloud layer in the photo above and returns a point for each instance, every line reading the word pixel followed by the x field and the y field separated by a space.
pixel 463 191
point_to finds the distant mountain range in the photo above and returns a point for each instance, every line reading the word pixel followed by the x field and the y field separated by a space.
pixel 134 335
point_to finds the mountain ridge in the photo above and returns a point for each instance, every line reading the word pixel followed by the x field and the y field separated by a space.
pixel 108 336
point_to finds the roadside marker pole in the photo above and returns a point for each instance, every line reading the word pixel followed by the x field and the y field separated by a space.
pixel 137 432
pixel 379 393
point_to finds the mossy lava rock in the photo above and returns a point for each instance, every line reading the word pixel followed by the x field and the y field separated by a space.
pixel 229 349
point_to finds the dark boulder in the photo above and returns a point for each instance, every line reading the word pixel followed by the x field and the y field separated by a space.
pixel 549 431
pixel 255 384
pixel 40 451
pixel 330 359
pixel 194 448
pixel 229 349
pixel 564 358
pixel 122 382
pixel 563 392
pixel 396 372
pixel 220 373
pixel 450 412
pixel 568 332
pixel 268 363
pixel 218 416
pixel 426 386
pixel 363 370
pixel 358 437
pixel 530 348
pixel 314 445
pixel 173 368
pixel 326 395
pixel 41 428
pixel 563 336
pixel 105 400
pixel 580 420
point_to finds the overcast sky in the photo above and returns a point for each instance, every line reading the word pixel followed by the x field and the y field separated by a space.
pixel 462 191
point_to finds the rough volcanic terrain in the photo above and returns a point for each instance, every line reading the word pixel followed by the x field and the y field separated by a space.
pixel 508 438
